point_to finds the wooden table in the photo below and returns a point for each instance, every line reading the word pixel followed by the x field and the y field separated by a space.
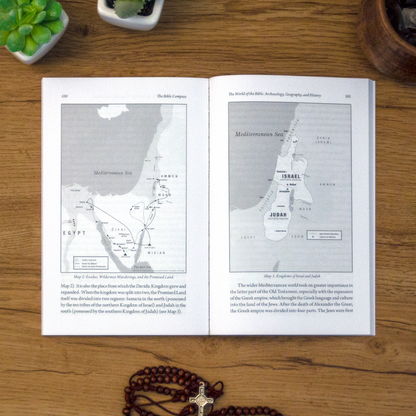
pixel 296 375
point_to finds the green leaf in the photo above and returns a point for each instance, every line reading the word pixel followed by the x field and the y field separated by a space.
pixel 31 46
pixel 38 18
pixel 53 10
pixel 13 17
pixel 6 25
pixel 55 27
pixel 3 37
pixel 28 16
pixel 128 8
pixel 19 14
pixel 39 4
pixel 7 5
pixel 41 34
pixel 25 29
pixel 15 41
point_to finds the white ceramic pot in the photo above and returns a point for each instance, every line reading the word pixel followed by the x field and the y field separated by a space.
pixel 46 47
pixel 136 22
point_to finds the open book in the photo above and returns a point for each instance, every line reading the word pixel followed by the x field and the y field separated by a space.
pixel 234 205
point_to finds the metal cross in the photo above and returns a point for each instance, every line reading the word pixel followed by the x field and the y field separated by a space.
pixel 201 400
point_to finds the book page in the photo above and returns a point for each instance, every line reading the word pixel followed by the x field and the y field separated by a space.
pixel 291 206
pixel 124 206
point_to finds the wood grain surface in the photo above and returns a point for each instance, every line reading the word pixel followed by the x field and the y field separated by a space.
pixel 312 376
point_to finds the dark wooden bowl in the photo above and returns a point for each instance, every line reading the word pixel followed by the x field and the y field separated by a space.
pixel 385 49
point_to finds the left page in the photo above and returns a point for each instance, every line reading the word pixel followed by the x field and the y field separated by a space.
pixel 124 206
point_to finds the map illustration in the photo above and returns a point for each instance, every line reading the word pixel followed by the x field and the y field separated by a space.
pixel 290 187
pixel 123 188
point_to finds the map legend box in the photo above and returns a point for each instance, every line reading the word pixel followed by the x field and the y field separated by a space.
pixel 90 263
pixel 324 235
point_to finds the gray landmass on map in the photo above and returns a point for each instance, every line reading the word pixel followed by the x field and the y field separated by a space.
pixel 253 158
pixel 93 146
pixel 138 265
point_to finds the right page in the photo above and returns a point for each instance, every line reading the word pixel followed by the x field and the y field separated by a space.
pixel 292 206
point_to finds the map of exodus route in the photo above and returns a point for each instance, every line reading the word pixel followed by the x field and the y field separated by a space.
pixel 123 188
pixel 290 187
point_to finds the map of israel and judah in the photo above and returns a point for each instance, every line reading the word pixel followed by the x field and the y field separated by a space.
pixel 123 188
pixel 290 187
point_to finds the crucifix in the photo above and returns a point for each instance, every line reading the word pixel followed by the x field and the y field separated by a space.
pixel 201 400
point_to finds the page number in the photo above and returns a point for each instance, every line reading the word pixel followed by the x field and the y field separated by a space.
pixel 348 96
pixel 64 95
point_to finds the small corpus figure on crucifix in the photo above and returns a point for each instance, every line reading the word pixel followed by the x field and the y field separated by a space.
pixel 201 400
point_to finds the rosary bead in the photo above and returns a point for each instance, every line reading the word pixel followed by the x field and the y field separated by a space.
pixel 266 410
pixel 231 411
pixel 181 381
pixel 168 370
pixel 161 369
pixel 187 383
pixel 175 379
pixel 253 411
pixel 152 387
pixel 140 372
pixel 160 379
pixel 126 411
pixel 239 411
pixel 183 398
pixel 146 380
pixel 193 377
pixel 160 389
pixel 173 392
pixel 259 410
pixel 167 379
pixel 223 412
pixel 166 391
pixel 246 411
pixel 191 409
pixel 175 370
pixel 181 372
pixel 187 374
pixel 145 387
pixel 147 371
pixel 154 370
pixel 273 412
pixel 153 379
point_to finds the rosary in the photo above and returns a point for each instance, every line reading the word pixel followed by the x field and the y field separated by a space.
pixel 192 389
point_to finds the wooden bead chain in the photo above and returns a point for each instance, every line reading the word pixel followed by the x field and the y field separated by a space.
pixel 238 411
pixel 155 379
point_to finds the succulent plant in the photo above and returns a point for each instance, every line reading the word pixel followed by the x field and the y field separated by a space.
pixel 25 24
pixel 128 8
